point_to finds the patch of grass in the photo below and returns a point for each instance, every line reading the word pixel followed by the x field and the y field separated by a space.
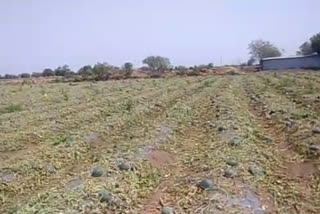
pixel 11 109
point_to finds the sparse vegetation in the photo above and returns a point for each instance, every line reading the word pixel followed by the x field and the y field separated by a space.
pixel 126 146
pixel 11 109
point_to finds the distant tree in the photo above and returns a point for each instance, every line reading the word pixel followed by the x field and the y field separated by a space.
pixel 128 69
pixel 48 72
pixel 157 64
pixel 315 43
pixel 210 65
pixel 86 70
pixel 102 71
pixel 25 75
pixel 260 49
pixel 181 70
pixel 63 71
pixel 305 49
pixel 10 76
pixel 251 61
pixel 36 74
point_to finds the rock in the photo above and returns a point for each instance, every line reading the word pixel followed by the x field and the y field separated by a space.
pixel 205 184
pixel 7 176
pixel 229 173
pixel 51 169
pixel 74 185
pixel 97 172
pixel 232 162
pixel 105 196
pixel 125 166
pixel 314 148
pixel 167 210
pixel 316 131
pixel 255 171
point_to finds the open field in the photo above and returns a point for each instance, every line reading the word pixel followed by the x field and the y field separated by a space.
pixel 134 146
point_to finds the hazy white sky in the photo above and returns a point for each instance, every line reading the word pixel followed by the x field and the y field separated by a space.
pixel 36 34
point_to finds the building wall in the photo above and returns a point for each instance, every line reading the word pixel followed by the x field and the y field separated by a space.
pixel 291 63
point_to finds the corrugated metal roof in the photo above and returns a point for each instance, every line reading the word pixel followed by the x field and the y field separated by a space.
pixel 289 57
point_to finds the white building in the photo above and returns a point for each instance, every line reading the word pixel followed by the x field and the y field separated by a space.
pixel 295 62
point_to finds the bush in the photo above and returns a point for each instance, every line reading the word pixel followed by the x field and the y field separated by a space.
pixel 25 75
pixel 36 74
pixel 128 69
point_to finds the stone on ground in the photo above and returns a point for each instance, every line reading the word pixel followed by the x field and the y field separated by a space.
pixel 166 210
pixel 229 173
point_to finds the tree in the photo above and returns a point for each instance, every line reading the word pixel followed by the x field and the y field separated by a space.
pixel 157 64
pixel 260 49
pixel 25 75
pixel 48 72
pixel 210 65
pixel 315 43
pixel 128 69
pixel 102 71
pixel 63 71
pixel 36 74
pixel 305 49
pixel 10 76
pixel 251 61
pixel 86 70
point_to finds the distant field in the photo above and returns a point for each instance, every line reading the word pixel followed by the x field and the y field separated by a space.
pixel 134 146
